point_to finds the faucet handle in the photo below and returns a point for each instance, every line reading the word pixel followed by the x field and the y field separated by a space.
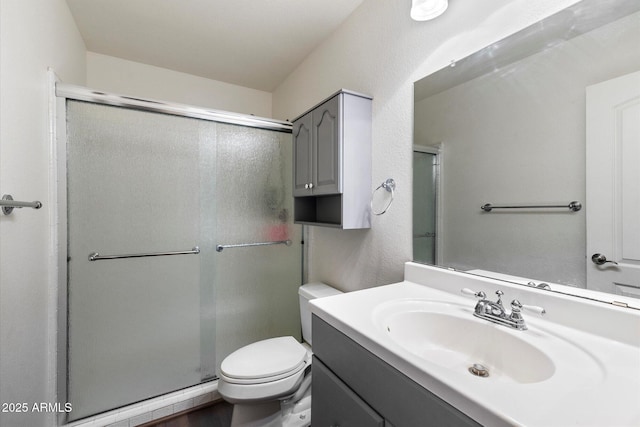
pixel 535 309
pixel 499 293
pixel 516 306
pixel 479 294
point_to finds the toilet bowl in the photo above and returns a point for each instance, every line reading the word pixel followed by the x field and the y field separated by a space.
pixel 269 381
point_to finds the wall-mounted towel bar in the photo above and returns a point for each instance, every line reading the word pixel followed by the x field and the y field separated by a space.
pixel 95 256
pixel 573 206
pixel 8 204
pixel 219 248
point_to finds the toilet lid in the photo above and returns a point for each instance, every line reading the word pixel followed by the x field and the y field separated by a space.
pixel 264 359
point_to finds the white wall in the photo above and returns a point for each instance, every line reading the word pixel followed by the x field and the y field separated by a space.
pixel 117 75
pixel 34 35
pixel 380 51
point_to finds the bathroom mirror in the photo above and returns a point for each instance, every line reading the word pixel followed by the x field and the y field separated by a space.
pixel 507 126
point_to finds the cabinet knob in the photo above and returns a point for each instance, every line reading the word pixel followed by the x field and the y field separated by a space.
pixel 306 186
pixel 310 185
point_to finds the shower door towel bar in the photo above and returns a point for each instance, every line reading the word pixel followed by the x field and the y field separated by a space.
pixel 95 256
pixel 573 206
pixel 8 204
pixel 219 248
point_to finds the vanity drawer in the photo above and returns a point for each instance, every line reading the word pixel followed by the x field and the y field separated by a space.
pixel 335 404
pixel 398 399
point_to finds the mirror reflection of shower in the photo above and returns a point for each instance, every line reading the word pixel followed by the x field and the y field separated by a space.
pixel 425 202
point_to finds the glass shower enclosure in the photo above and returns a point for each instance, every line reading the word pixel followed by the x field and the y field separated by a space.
pixel 164 277
pixel 425 185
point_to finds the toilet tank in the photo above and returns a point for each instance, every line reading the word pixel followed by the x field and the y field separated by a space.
pixel 306 293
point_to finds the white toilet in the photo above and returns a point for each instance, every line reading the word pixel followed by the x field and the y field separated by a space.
pixel 269 381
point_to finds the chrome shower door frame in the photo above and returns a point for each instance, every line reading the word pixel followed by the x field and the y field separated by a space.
pixel 59 93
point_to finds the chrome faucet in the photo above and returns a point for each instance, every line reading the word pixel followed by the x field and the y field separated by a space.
pixel 485 308
pixel 540 285
pixel 496 313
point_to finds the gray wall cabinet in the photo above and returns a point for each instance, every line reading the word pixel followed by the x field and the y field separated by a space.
pixel 353 387
pixel 316 143
pixel 332 162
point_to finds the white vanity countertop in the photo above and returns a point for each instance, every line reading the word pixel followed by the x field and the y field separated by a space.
pixel 602 391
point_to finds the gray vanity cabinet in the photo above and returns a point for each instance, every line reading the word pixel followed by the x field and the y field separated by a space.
pixel 348 379
pixel 335 404
pixel 332 162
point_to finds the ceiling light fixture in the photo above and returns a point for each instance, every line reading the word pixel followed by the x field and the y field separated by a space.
pixel 424 10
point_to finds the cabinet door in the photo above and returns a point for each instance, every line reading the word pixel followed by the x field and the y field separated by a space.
pixel 393 395
pixel 327 147
pixel 302 156
pixel 335 404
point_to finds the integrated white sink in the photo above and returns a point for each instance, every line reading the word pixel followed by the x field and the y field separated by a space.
pixel 578 365
pixel 448 335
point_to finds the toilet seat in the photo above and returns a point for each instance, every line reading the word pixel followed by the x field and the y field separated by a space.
pixel 264 361
pixel 260 392
pixel 268 369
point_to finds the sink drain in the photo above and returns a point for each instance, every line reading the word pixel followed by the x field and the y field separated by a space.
pixel 479 370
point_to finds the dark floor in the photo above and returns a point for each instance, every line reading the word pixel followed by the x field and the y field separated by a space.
pixel 215 415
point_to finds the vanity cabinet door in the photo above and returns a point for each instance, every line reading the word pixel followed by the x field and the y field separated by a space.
pixel 393 395
pixel 302 156
pixel 335 404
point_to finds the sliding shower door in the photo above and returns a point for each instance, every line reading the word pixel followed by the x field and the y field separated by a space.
pixel 152 306
pixel 256 285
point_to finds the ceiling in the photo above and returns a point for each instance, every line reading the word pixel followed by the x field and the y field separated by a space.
pixel 252 43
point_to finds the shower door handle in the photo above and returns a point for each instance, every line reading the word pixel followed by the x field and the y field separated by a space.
pixel 95 256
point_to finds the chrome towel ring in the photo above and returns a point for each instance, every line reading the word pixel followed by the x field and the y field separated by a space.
pixel 390 186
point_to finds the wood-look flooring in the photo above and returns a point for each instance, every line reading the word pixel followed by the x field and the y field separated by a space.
pixel 217 414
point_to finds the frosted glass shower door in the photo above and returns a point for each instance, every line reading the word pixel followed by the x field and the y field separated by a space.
pixel 141 182
pixel 256 286
pixel 138 182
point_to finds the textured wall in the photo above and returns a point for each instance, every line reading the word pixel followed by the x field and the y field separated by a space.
pixel 380 51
